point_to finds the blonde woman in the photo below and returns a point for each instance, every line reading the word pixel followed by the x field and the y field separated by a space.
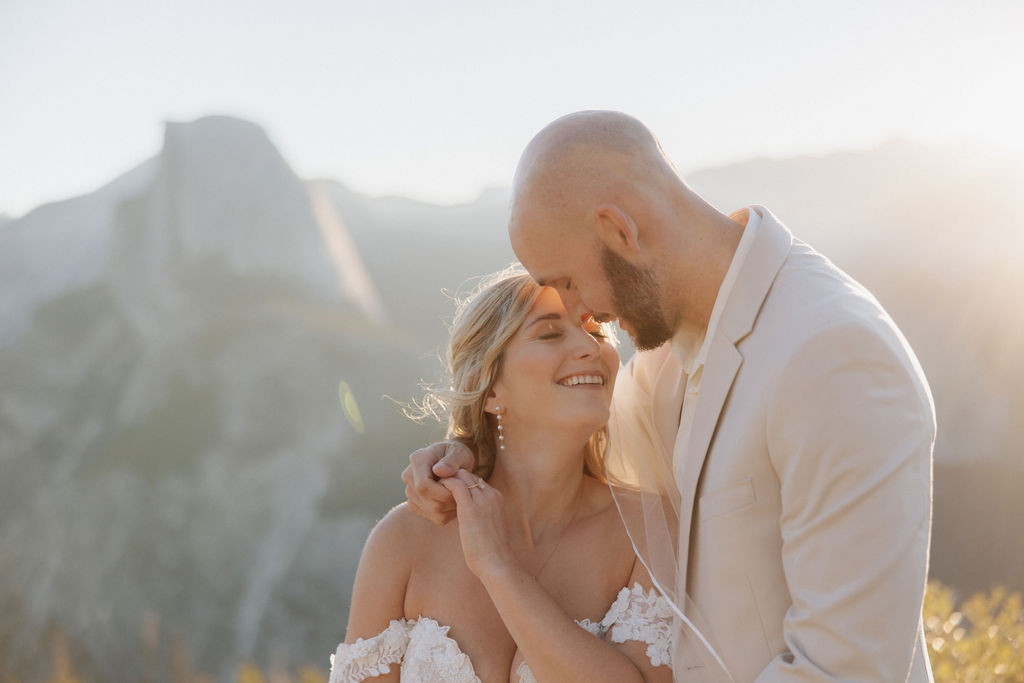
pixel 537 578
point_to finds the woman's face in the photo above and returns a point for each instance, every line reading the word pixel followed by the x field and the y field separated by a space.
pixel 557 372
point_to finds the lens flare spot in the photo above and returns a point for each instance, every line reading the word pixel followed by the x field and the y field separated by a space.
pixel 351 408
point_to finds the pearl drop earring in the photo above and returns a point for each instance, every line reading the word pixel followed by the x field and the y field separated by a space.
pixel 501 428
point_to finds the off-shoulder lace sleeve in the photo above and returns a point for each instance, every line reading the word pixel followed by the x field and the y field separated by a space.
pixel 635 615
pixel 370 657
pixel 644 617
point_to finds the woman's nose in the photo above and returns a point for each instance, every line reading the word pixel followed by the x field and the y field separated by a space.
pixel 587 346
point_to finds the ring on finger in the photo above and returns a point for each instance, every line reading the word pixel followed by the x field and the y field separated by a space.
pixel 479 483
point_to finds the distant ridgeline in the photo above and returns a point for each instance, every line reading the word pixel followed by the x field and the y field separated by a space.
pixel 173 446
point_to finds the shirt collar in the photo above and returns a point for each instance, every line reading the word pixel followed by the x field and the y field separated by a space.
pixel 691 340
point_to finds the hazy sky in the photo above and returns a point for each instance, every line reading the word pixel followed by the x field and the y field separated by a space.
pixel 435 100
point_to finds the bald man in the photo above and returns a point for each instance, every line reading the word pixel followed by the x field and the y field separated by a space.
pixel 795 419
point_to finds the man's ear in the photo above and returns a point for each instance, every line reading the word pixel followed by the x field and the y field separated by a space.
pixel 617 231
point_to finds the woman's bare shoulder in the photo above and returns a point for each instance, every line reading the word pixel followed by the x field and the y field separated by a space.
pixel 403 529
pixel 385 568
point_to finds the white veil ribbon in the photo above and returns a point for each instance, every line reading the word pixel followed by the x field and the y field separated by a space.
pixel 639 469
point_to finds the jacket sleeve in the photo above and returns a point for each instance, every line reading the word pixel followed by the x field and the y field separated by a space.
pixel 850 433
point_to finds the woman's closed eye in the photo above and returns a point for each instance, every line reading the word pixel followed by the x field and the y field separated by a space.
pixel 550 331
pixel 598 334
pixel 554 331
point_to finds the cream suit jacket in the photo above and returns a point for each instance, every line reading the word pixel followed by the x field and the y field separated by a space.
pixel 806 477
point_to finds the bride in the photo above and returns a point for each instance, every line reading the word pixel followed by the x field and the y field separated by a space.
pixel 537 578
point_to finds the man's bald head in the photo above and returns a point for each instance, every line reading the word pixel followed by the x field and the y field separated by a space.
pixel 585 158
pixel 600 213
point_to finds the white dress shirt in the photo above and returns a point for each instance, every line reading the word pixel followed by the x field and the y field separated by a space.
pixel 691 341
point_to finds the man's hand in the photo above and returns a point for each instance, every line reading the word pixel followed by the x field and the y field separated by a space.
pixel 428 498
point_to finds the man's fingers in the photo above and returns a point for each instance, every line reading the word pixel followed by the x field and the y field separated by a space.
pixel 407 477
pixel 426 496
pixel 417 509
pixel 447 517
pixel 421 460
pixel 420 479
pixel 457 456
pixel 436 512
pixel 430 495
pixel 431 501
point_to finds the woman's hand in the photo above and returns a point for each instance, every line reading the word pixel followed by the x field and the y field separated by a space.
pixel 481 525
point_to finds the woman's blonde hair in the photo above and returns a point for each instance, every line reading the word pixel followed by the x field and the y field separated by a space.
pixel 484 324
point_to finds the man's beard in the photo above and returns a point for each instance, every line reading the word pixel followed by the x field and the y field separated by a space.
pixel 635 296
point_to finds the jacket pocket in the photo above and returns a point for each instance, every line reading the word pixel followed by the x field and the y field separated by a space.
pixel 727 499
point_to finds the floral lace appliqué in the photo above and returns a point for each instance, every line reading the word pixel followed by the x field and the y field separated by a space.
pixel 422 646
pixel 525 675
pixel 370 657
pixel 428 655
pixel 433 657
pixel 645 617
pixel 635 615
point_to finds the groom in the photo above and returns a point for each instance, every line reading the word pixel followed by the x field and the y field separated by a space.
pixel 798 421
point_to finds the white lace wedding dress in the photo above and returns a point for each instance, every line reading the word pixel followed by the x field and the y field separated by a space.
pixel 427 655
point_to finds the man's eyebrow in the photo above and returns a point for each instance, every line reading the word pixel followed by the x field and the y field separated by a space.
pixel 546 316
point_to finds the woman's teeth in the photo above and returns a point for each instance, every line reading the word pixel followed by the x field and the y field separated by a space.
pixel 582 379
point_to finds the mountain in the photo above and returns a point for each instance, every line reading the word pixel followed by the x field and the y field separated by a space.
pixel 173 438
pixel 58 247
pixel 414 251
pixel 200 366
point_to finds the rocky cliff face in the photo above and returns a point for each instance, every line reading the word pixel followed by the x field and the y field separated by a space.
pixel 172 441
pixel 59 247
pixel 174 458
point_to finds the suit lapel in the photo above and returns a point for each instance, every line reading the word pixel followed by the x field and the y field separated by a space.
pixel 771 246
pixel 691 449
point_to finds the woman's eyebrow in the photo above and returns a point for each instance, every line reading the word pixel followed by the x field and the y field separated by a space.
pixel 546 316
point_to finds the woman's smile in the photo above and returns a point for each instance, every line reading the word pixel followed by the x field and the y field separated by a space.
pixel 585 381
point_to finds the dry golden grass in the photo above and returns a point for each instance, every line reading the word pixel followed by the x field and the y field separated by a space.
pixel 978 640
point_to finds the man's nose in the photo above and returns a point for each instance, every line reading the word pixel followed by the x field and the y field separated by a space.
pixel 574 306
pixel 576 309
